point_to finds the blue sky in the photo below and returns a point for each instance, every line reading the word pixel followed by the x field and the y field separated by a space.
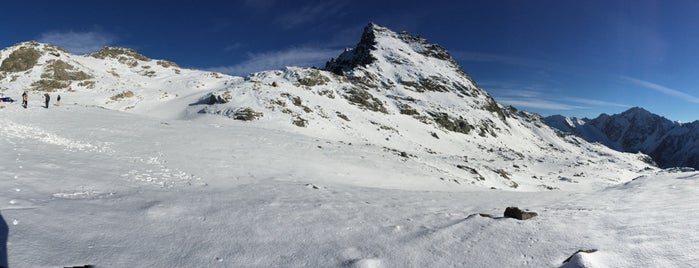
pixel 576 58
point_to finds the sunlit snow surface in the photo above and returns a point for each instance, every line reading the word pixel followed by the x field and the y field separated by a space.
pixel 84 185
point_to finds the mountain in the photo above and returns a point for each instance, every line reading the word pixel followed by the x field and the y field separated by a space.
pixel 399 91
pixel 669 143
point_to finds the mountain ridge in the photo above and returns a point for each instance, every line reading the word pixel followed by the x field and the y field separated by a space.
pixel 669 143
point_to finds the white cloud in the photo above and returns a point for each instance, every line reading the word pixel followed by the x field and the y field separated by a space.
pixel 304 57
pixel 660 88
pixel 78 42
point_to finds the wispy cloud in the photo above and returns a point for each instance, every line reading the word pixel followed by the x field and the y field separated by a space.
pixel 660 88
pixel 312 12
pixel 593 102
pixel 78 42
pixel 509 60
pixel 542 97
pixel 255 62
pixel 539 104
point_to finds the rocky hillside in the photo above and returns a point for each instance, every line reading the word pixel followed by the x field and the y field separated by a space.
pixel 400 92
pixel 669 143
pixel 115 78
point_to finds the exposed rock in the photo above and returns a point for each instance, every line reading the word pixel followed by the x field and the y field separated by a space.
pixel 247 114
pixel 117 53
pixel 363 98
pixel 343 116
pixel 314 78
pixel 22 59
pixel 516 213
pixel 359 56
pixel 122 95
pixel 407 109
pixel 62 71
pixel 166 64
pixel 457 125
pixel 49 85
pixel 300 122
pixel 220 97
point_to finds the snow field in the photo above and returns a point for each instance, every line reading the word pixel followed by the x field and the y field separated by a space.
pixel 258 197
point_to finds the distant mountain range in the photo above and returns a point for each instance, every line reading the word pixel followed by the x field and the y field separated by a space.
pixel 670 144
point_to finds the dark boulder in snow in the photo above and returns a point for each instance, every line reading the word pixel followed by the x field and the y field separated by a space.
pixel 516 213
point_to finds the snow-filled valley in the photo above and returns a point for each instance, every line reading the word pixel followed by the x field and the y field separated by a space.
pixel 390 156
pixel 84 185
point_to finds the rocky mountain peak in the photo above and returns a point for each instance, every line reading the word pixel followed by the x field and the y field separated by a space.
pixel 637 112
pixel 379 44
pixel 358 56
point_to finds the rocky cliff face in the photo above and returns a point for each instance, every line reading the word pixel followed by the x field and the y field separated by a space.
pixel 669 143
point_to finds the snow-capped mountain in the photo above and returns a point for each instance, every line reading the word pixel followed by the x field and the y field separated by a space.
pixel 669 143
pixel 409 96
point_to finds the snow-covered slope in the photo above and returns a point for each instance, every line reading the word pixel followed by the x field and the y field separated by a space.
pixel 114 78
pixel 669 143
pixel 83 185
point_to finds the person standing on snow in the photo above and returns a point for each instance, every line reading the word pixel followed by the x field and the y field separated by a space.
pixel 48 98
pixel 24 100
pixel 58 100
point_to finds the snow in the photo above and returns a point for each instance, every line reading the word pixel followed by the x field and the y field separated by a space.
pixel 83 185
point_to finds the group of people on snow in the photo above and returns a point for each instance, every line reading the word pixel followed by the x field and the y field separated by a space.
pixel 47 98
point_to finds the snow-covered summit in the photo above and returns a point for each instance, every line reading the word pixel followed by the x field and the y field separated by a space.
pixel 384 58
